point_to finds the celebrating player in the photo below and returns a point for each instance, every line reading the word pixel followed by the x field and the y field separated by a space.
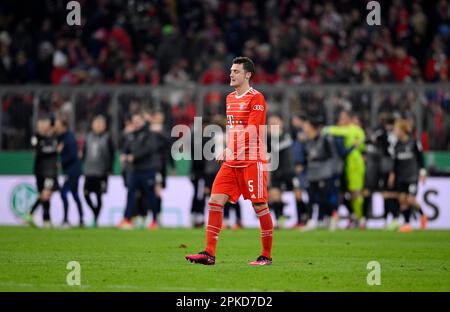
pixel 282 179
pixel 45 168
pixel 243 169
pixel 139 154
pixel 408 169
pixel 353 135
pixel 319 161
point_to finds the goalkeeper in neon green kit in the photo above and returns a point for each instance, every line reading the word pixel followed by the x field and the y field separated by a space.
pixel 353 136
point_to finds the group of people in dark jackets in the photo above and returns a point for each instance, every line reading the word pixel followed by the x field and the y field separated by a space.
pixel 144 155
pixel 145 158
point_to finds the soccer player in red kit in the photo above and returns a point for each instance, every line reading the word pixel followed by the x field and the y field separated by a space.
pixel 243 170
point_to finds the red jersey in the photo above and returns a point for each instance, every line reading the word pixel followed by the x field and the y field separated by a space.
pixel 246 121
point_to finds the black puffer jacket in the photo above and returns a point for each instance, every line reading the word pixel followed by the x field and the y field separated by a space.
pixel 143 148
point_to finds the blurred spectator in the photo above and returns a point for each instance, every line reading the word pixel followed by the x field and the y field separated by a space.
pixel 215 74
pixel 292 42
pixel 179 43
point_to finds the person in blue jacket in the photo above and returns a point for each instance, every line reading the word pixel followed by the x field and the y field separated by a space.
pixel 71 167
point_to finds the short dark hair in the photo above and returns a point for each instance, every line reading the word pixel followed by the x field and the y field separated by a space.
pixel 349 112
pixel 146 110
pixel 44 118
pixel 275 115
pixel 99 116
pixel 315 120
pixel 389 120
pixel 64 122
pixel 139 113
pixel 246 62
pixel 301 116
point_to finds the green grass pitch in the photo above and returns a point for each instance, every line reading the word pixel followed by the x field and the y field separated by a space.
pixel 140 260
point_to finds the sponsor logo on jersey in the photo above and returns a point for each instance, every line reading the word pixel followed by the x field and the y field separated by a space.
pixel 258 107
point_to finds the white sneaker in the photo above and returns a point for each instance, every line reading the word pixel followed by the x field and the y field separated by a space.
pixel 197 219
pixel 29 219
pixel 334 222
pixel 310 226
pixel 282 222
pixel 139 222
pixel 394 225
pixel 362 223
pixel 65 225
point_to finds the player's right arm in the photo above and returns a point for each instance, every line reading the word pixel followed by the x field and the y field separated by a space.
pixel 336 130
pixel 420 162
pixel 391 178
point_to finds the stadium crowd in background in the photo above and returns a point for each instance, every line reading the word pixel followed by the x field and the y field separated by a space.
pixel 178 42
pixel 181 43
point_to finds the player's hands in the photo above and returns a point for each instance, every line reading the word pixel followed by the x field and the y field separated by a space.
pixel 34 141
pixel 158 189
pixel 391 180
pixel 60 147
pixel 269 178
pixel 130 158
pixel 298 169
pixel 123 158
pixel 422 179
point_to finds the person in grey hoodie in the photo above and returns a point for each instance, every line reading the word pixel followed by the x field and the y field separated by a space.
pixel 98 159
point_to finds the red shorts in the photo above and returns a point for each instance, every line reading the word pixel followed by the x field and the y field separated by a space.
pixel 250 181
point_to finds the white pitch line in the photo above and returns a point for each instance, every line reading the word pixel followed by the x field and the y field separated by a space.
pixel 37 285
pixel 14 285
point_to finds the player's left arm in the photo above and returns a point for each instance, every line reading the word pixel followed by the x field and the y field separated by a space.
pixel 420 161
pixel 361 140
pixel 111 151
pixel 340 147
pixel 145 150
pixel 71 145
pixel 83 152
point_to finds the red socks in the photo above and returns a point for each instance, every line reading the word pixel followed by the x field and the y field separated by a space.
pixel 266 225
pixel 215 213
